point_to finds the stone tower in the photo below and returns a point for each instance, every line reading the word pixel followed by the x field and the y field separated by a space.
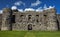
pixel 50 19
pixel 6 19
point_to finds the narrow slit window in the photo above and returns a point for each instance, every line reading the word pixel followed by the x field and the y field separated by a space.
pixel 13 19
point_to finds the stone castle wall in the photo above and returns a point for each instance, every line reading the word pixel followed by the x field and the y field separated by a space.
pixel 44 21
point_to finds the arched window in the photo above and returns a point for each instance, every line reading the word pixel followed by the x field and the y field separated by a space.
pixel 29 17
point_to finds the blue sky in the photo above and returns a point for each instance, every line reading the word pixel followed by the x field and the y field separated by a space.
pixel 22 4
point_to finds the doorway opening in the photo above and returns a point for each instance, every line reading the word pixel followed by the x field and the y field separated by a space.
pixel 30 27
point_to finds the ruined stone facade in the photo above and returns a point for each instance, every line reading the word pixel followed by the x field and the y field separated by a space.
pixel 29 20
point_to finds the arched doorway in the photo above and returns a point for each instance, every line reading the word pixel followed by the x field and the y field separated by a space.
pixel 30 27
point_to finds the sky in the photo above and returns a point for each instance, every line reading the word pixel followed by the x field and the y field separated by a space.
pixel 35 4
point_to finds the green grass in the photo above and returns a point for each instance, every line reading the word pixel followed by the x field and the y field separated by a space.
pixel 29 34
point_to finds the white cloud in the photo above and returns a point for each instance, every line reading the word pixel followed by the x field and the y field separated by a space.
pixel 29 9
pixel 45 6
pixel 13 7
pixel 19 3
pixel 51 7
pixel 39 9
pixel 1 11
pixel 20 10
pixel 36 3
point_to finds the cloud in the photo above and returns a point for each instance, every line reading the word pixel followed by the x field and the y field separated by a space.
pixel 29 9
pixel 13 7
pixel 36 3
pixel 18 3
pixel 46 8
pixel 39 9
pixel 20 10
pixel 51 7
pixel 1 11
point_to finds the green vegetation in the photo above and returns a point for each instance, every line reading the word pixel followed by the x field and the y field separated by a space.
pixel 29 34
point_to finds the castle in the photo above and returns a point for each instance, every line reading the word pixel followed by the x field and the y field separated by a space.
pixel 47 20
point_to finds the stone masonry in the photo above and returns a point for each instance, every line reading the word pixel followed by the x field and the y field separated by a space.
pixel 29 20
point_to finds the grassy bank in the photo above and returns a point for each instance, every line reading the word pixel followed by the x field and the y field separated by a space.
pixel 29 34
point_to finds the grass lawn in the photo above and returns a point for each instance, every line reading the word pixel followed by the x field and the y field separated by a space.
pixel 29 34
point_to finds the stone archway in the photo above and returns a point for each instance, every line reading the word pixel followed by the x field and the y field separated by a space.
pixel 30 27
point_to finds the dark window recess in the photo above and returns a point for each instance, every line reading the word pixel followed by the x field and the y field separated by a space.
pixel 29 27
pixel 40 24
pixel 45 15
pixel 37 15
pixel 33 25
pixel 29 18
pixel 13 19
pixel 37 20
pixel 58 25
pixel 21 15
pixel 29 15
